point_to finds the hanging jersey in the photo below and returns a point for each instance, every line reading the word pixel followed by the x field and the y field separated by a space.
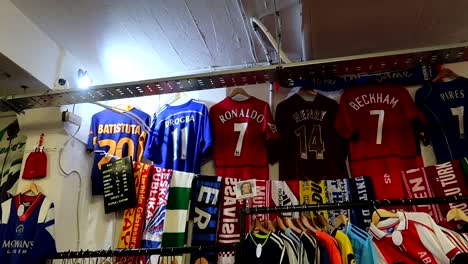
pixel 310 146
pixel 362 190
pixel 412 238
pixel 457 239
pixel 361 241
pixel 264 249
pixel 346 249
pixel 11 158
pixel 117 135
pixel 205 212
pixel 180 136
pixel 310 248
pixel 380 122
pixel 243 132
pixel 330 245
pixel 291 251
pixel 27 230
pixel 444 104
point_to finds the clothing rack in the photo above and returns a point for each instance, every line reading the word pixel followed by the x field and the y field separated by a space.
pixel 169 251
pixel 333 206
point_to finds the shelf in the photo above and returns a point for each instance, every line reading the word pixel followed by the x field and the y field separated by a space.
pixel 319 71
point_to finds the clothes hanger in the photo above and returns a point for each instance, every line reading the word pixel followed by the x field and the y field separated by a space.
pixel 271 226
pixel 379 214
pixel 445 73
pixel 177 97
pixel 239 94
pixel 289 223
pixel 456 214
pixel 323 222
pixel 32 187
pixel 305 221
pixel 299 224
pixel 341 220
pixel 280 223
pixel 259 227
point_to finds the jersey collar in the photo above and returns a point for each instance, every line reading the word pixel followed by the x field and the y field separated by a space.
pixel 35 201
pixel 401 224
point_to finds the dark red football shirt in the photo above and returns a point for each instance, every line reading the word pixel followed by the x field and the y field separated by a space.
pixel 310 148
pixel 379 121
pixel 243 130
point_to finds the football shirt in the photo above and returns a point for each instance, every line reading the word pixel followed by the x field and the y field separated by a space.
pixel 310 146
pixel 27 226
pixel 243 132
pixel 380 122
pixel 117 135
pixel 180 136
pixel 271 249
pixel 443 104
pixel 411 238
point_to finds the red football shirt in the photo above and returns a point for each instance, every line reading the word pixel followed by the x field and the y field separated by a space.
pixel 242 132
pixel 379 121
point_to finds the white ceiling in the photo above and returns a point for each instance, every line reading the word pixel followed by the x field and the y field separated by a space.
pixel 129 40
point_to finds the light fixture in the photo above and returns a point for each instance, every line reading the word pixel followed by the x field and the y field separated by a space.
pixel 84 81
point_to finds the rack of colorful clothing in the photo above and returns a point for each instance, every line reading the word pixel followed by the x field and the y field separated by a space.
pixel 392 237
pixel 137 255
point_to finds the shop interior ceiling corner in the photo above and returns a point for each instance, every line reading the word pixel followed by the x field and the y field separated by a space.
pixel 155 123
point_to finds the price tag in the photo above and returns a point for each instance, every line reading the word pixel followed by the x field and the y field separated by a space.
pixel 397 238
pixel 20 210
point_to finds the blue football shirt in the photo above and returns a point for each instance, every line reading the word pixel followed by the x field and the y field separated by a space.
pixel 180 135
pixel 117 135
pixel 444 105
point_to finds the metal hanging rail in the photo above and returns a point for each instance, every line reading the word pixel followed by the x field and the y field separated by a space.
pixel 140 252
pixel 287 75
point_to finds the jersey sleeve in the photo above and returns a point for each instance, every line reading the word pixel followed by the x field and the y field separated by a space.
pixel 417 117
pixel 269 127
pixel 448 248
pixel 152 143
pixel 92 134
pixel 343 124
pixel 207 136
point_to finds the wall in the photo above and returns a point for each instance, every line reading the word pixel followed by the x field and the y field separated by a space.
pixel 98 230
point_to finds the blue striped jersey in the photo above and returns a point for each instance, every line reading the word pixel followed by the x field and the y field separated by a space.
pixel 27 229
pixel 180 135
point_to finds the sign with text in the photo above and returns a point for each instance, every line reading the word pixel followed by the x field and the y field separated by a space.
pixel 119 185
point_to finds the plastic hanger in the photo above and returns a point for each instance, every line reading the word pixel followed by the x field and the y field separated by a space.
pixel 456 214
pixel 379 214
pixel 177 97
pixel 340 220
pixel 32 187
pixel 445 73
pixel 239 94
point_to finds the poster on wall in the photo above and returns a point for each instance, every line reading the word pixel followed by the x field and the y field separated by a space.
pixel 12 145
pixel 119 185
